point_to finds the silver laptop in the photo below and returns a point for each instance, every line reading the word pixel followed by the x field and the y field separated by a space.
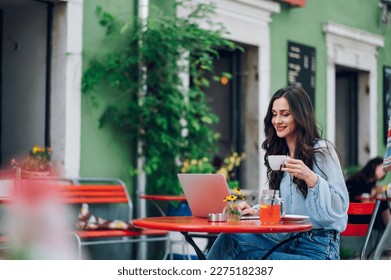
pixel 205 193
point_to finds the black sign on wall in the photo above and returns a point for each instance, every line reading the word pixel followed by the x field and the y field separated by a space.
pixel 386 99
pixel 302 67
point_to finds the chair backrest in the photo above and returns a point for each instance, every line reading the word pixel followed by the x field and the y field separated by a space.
pixel 364 228
pixel 96 190
pixel 110 193
pixel 359 209
pixel 76 191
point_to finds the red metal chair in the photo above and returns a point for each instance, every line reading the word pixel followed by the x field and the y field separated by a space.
pixel 363 229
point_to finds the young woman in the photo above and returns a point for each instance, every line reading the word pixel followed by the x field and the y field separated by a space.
pixel 311 182
pixel 365 181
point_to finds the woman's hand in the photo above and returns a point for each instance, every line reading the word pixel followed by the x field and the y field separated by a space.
pixel 246 209
pixel 298 169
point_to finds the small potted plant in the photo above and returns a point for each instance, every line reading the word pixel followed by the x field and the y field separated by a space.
pixel 36 164
pixel 232 210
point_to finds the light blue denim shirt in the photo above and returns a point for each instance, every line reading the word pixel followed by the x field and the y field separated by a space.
pixel 327 203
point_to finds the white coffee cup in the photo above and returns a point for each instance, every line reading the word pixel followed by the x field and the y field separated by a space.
pixel 275 161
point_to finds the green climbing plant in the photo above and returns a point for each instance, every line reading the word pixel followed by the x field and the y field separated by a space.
pixel 150 101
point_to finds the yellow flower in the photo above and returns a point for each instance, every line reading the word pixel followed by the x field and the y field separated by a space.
pixel 35 149
pixel 231 197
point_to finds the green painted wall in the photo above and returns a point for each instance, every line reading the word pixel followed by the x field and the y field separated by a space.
pixel 304 26
pixel 104 152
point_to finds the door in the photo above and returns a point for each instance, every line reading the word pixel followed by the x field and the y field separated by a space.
pixel 224 97
pixel 347 116
pixel 24 86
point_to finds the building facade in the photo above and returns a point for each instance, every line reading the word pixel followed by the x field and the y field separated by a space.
pixel 339 51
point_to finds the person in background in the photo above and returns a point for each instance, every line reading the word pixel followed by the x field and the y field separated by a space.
pixel 363 185
pixel 311 182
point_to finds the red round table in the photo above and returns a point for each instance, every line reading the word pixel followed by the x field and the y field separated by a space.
pixel 186 224
pixel 163 197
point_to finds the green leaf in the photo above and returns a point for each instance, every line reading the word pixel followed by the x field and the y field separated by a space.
pixel 216 78
pixel 226 74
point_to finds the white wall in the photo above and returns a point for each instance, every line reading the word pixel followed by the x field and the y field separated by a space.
pixel 65 112
pixel 252 120
pixel 356 49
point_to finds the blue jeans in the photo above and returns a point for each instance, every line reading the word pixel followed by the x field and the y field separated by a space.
pixel 317 244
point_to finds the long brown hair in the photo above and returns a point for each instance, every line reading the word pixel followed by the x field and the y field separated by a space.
pixel 308 133
pixel 367 173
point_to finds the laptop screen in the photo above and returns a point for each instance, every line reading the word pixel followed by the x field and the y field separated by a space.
pixel 204 192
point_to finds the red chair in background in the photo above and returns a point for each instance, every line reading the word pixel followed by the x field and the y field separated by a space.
pixel 357 209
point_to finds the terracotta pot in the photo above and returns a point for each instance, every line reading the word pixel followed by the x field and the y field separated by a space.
pixel 34 174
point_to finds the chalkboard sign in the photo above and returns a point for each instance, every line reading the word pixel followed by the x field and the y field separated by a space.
pixel 302 67
pixel 386 99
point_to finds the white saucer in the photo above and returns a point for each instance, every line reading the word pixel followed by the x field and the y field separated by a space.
pixel 294 218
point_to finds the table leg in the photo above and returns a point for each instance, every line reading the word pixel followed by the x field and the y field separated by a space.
pixel 279 245
pixel 198 251
pixel 210 236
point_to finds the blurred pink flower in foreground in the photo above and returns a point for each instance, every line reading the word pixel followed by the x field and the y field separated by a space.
pixel 37 225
